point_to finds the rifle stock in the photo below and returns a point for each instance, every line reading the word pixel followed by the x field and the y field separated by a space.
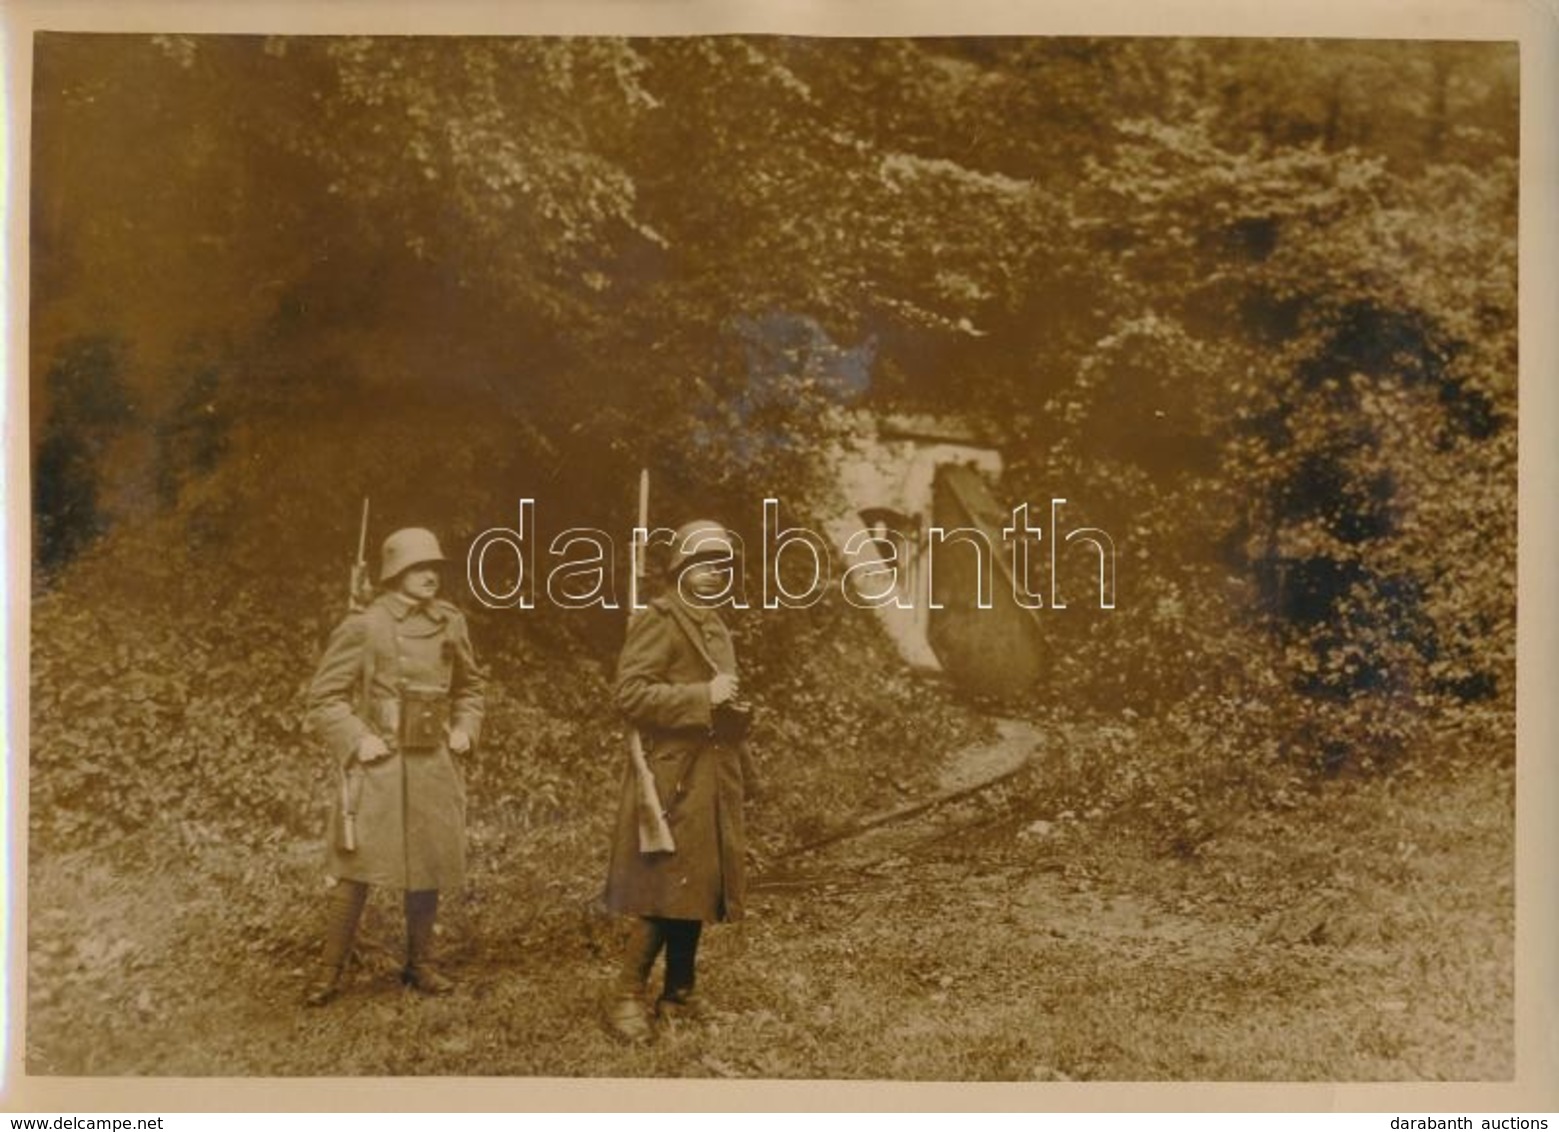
pixel 348 834
pixel 654 833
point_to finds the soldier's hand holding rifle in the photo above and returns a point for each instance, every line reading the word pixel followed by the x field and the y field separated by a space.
pixel 722 689
pixel 370 749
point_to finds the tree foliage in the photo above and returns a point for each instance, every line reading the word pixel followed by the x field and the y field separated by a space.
pixel 1248 305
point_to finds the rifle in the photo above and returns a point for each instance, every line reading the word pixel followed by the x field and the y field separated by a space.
pixel 360 592
pixel 654 833
pixel 360 589
pixel 347 837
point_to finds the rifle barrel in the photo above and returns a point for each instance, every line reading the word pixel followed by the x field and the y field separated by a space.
pixel 644 522
pixel 362 532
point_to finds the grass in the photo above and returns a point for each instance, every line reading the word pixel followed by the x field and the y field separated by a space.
pixel 1365 934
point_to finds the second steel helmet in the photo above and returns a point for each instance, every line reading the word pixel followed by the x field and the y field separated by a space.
pixel 698 539
pixel 408 547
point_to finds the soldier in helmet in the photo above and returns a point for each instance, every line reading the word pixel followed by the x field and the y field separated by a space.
pixel 677 683
pixel 397 699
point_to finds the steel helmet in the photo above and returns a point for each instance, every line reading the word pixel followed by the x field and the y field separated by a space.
pixel 699 539
pixel 408 547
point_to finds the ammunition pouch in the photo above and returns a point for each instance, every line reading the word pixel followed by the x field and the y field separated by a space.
pixel 424 718
pixel 730 721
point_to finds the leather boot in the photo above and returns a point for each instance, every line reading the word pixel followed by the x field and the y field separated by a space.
pixel 625 1015
pixel 677 1000
pixel 342 913
pixel 420 974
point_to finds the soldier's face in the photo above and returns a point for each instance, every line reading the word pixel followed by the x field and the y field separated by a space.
pixel 420 582
pixel 707 579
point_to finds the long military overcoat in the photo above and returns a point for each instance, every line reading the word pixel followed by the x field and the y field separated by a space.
pixel 663 689
pixel 409 807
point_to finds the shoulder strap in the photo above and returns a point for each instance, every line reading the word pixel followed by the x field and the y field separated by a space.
pixel 679 615
pixel 374 623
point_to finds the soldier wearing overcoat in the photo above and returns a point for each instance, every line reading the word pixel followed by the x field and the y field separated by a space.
pixel 396 701
pixel 676 683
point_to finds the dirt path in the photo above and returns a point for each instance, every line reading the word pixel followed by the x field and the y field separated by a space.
pixel 976 938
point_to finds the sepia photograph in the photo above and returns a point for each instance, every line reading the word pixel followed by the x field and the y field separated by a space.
pixel 770 557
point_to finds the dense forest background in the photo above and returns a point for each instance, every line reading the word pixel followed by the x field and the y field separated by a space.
pixel 1249 305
